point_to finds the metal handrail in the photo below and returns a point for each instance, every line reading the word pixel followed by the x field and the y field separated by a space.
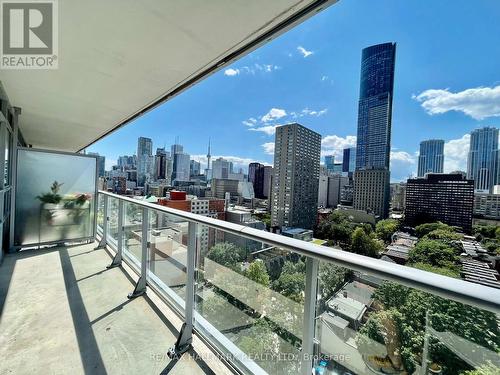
pixel 458 290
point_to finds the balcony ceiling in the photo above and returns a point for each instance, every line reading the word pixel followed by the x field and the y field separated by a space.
pixel 118 58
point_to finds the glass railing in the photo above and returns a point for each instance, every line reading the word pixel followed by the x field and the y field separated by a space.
pixel 272 304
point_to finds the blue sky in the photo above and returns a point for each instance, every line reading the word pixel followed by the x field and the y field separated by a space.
pixel 447 83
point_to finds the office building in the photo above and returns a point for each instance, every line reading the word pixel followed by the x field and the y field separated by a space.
pixel 483 159
pixel 373 148
pixel 448 198
pixel 295 176
pixel 349 160
pixel 180 164
pixel 144 160
pixel 194 168
pixel 430 157
pixel 267 181
pixel 257 176
pixel 330 163
pixel 221 168
pixel 487 206
pixel 398 196
pixel 161 160
pixel 221 186
pixel 371 191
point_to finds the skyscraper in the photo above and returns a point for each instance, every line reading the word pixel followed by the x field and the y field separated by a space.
pixel 330 163
pixel 161 164
pixel 101 163
pixel 256 177
pixel 483 164
pixel 349 160
pixel 194 168
pixel 180 168
pixel 295 180
pixel 144 159
pixel 371 179
pixel 431 157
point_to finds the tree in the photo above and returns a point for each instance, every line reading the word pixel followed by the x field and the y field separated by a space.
pixel 444 235
pixel 226 254
pixel 337 228
pixel 362 243
pixel 450 272
pixel 257 272
pixel 444 315
pixel 433 252
pixel 386 228
pixel 423 229
pixel 332 278
pixel 292 280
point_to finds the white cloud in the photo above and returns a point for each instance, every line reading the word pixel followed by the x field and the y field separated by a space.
pixel 324 78
pixel 478 103
pixel 109 163
pixel 269 129
pixel 304 52
pixel 251 69
pixel 334 145
pixel 455 154
pixel 273 114
pixel 231 72
pixel 268 148
pixel 250 122
pixel 238 162
pixel 403 165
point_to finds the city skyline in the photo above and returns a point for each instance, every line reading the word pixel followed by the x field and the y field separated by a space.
pixel 249 96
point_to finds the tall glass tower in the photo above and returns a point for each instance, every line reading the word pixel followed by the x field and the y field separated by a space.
pixel 483 159
pixel 431 157
pixel 373 149
pixel 375 106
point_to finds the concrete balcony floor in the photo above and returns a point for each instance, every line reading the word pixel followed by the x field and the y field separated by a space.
pixel 63 312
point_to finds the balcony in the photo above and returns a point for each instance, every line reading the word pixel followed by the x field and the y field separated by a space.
pixel 343 320
pixel 92 282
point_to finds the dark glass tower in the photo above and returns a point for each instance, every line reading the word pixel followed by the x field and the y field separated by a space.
pixel 373 149
pixel 375 106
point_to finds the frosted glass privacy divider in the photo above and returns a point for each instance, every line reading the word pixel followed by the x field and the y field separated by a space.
pixel 55 197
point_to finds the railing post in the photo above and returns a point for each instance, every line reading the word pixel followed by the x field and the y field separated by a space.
pixel 140 287
pixel 185 337
pixel 117 260
pixel 103 242
pixel 311 291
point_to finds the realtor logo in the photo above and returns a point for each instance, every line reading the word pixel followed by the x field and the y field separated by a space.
pixel 29 34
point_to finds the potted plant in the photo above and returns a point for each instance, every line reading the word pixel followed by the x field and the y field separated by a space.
pixel 434 368
pixel 51 201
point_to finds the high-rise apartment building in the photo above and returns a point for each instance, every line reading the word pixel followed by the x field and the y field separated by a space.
pixel 297 154
pixel 371 179
pixel 144 160
pixel 431 157
pixel 483 164
pixel 349 160
pixel 448 198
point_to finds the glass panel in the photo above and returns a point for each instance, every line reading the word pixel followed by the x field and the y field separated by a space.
pixel 253 294
pixel 100 212
pixel 366 325
pixel 7 139
pixel 168 236
pixel 113 220
pixel 54 197
pixel 132 233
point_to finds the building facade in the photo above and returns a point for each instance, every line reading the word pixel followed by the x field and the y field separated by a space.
pixel 487 206
pixel 221 168
pixel 483 159
pixel 430 157
pixel 297 155
pixel 349 160
pixel 448 198
pixel 144 159
pixel 373 147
